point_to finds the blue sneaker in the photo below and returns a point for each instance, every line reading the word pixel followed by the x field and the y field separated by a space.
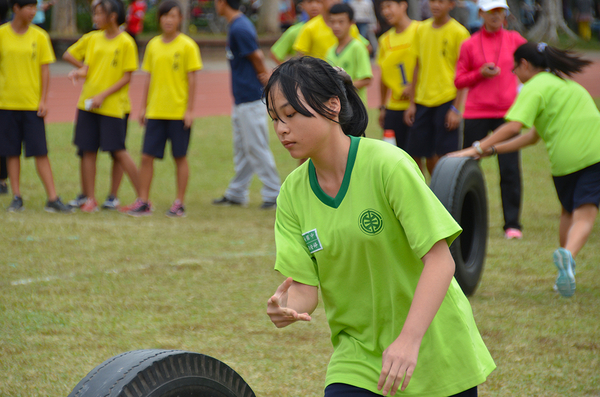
pixel 565 282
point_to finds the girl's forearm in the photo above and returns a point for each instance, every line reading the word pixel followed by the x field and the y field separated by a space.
pixel 45 74
pixel 191 90
pixel 501 134
pixel 122 82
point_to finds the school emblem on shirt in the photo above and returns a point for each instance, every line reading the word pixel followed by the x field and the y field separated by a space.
pixel 311 238
pixel 370 222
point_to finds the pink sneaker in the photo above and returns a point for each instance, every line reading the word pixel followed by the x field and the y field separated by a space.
pixel 511 233
pixel 90 205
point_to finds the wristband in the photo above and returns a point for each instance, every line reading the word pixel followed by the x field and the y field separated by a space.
pixel 477 147
pixel 493 150
pixel 382 107
pixel 455 110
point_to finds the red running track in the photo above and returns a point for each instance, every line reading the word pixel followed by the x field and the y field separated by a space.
pixel 213 93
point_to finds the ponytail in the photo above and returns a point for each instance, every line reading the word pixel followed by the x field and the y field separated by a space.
pixel 318 82
pixel 556 61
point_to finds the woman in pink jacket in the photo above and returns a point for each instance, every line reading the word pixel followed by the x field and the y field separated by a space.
pixel 484 67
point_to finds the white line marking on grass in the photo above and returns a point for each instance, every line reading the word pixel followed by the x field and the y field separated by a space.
pixel 189 261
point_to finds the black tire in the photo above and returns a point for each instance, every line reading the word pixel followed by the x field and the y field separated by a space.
pixel 459 184
pixel 162 373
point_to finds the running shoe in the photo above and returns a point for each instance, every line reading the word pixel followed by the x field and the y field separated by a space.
pixel 177 210
pixel 3 187
pixel 16 205
pixel 513 234
pixel 111 203
pixel 268 205
pixel 58 206
pixel 225 202
pixel 91 205
pixel 565 282
pixel 78 201
pixel 139 208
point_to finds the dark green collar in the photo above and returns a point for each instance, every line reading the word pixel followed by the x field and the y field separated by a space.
pixel 314 183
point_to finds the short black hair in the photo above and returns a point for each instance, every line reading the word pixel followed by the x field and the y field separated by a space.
pixel 166 6
pixel 235 4
pixel 22 3
pixel 116 6
pixel 342 8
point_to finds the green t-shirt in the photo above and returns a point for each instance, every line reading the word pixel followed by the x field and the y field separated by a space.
pixel 364 249
pixel 565 117
pixel 354 59
pixel 283 47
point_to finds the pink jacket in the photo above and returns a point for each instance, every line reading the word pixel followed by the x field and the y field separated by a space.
pixel 488 98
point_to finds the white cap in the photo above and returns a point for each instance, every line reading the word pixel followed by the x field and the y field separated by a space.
pixel 486 5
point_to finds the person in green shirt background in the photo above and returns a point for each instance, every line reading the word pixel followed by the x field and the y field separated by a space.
pixel 566 118
pixel 283 47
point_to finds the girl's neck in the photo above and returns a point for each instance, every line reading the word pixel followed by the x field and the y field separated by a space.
pixel 331 161
pixel 112 31
pixel 439 22
pixel 19 26
pixel 491 30
pixel 170 36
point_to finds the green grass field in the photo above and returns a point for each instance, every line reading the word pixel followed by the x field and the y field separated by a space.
pixel 78 289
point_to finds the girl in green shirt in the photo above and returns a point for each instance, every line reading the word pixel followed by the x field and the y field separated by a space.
pixel 565 117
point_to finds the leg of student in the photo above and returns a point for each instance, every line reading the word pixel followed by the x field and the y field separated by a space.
pixel 126 162
pixel 42 164
pixel 259 153
pixel 182 176
pixel 444 141
pixel 13 165
pixel 581 225
pixel 239 184
pixel 420 136
pixel 146 174
pixel 88 174
pixel 565 224
pixel 116 176
pixel 3 171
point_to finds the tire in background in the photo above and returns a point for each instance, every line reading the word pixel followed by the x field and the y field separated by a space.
pixel 162 373
pixel 459 184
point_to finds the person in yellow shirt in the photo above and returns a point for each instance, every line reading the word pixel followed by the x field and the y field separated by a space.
pixel 75 55
pixel 316 37
pixel 110 59
pixel 434 113
pixel 397 62
pixel 172 60
pixel 25 55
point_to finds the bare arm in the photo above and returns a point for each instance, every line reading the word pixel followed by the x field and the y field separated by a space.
pixel 454 116
pixel 144 103
pixel 45 74
pixel 400 358
pixel 383 94
pixel 258 61
pixel 72 60
pixel 362 83
pixel 503 133
pixel 409 114
pixel 122 82
pixel 188 118
pixel 292 302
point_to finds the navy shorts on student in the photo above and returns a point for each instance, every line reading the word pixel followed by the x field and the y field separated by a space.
pixel 20 127
pixel 579 188
pixel 344 390
pixel 125 124
pixel 428 135
pixel 94 131
pixel 394 120
pixel 157 134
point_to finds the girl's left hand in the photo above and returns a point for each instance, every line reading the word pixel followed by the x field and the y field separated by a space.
pixel 97 101
pixel 399 362
pixel 188 119
pixel 42 109
pixel 468 152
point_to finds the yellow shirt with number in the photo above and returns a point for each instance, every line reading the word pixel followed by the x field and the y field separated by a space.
pixel 437 50
pixel 397 60
pixel 316 37
pixel 169 65
pixel 108 60
pixel 21 59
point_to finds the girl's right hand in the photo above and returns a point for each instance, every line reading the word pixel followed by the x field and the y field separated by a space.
pixel 279 314
pixel 409 115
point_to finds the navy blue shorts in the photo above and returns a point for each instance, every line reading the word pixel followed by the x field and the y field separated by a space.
pixel 579 188
pixel 94 131
pixel 125 122
pixel 157 134
pixel 394 120
pixel 22 127
pixel 428 135
pixel 344 390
